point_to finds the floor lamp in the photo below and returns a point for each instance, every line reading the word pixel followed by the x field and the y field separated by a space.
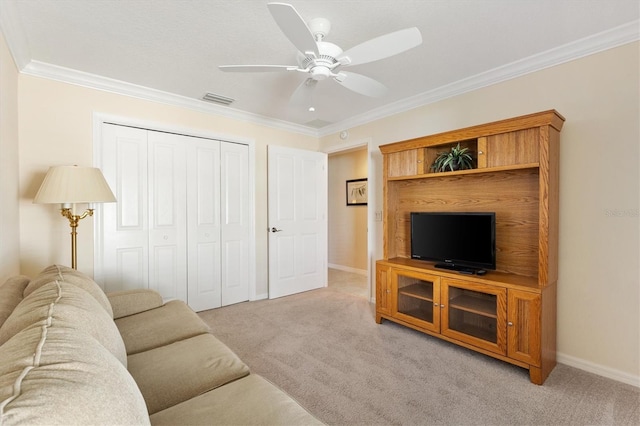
pixel 71 185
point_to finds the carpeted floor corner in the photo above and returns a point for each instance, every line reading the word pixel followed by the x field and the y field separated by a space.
pixel 324 348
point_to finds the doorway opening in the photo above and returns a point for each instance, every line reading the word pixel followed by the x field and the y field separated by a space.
pixel 348 254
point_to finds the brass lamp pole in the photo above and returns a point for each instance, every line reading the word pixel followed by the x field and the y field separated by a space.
pixel 73 222
pixel 71 185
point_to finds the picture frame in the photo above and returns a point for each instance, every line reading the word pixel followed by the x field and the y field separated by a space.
pixel 357 192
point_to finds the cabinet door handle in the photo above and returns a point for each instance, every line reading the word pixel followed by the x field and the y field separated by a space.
pixel 388 291
pixel 510 324
pixel 480 152
pixel 436 305
pixel 442 306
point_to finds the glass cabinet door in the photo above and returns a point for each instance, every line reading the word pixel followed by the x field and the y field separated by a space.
pixel 418 297
pixel 475 313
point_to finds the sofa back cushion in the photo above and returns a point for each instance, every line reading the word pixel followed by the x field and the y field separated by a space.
pixel 70 308
pixel 71 276
pixel 10 295
pixel 52 375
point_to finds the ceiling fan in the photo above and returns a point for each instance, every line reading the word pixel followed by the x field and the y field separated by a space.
pixel 323 60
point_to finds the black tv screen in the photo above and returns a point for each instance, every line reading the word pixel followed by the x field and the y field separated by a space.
pixel 455 240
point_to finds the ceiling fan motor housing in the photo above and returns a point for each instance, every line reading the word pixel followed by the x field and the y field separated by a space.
pixel 321 67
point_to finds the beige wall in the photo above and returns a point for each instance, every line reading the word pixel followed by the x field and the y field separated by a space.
pixel 599 297
pixel 56 128
pixel 9 229
pixel 347 224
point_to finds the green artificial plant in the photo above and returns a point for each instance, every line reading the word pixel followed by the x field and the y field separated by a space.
pixel 456 159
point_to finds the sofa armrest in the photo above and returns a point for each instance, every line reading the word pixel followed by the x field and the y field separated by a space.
pixel 130 302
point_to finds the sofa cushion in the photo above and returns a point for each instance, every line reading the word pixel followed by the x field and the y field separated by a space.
pixel 177 372
pixel 248 401
pixel 167 324
pixel 52 375
pixel 71 276
pixel 70 307
pixel 131 302
pixel 11 294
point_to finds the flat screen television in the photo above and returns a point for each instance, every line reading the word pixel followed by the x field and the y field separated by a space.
pixel 459 241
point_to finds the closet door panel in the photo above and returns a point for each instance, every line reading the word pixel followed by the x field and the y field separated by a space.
pixel 167 215
pixel 234 222
pixel 125 223
pixel 203 200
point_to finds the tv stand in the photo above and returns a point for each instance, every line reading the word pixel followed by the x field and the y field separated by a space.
pixel 508 313
pixel 458 268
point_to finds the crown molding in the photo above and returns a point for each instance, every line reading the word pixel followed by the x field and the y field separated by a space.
pixel 605 40
pixel 71 76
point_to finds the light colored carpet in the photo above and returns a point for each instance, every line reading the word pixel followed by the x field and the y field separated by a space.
pixel 348 282
pixel 324 348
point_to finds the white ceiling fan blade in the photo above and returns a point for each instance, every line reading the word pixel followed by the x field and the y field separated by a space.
pixel 294 27
pixel 361 84
pixel 302 97
pixel 382 47
pixel 257 68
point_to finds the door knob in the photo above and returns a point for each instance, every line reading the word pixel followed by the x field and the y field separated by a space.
pixel 274 229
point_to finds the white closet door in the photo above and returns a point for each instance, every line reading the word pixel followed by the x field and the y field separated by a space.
pixel 181 224
pixel 203 223
pixel 167 214
pixel 234 171
pixel 125 223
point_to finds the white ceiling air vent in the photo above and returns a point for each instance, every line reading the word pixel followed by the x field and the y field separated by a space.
pixel 317 123
pixel 217 99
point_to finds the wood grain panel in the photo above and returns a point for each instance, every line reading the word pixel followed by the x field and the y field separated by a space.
pixel 548 331
pixel 524 326
pixel 519 147
pixel 512 195
pixel 549 206
pixel 481 158
pixel 404 163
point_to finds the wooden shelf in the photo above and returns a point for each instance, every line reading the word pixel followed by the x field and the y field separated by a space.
pixel 420 314
pixel 419 291
pixel 486 308
pixel 478 332
pixel 468 171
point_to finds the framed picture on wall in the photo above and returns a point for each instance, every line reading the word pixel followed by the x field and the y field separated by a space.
pixel 357 192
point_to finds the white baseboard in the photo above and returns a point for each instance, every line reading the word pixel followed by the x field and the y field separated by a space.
pixel 348 269
pixel 598 369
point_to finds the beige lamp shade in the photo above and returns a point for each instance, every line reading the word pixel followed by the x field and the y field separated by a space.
pixel 73 184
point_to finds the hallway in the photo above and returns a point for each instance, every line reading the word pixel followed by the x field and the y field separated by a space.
pixel 348 282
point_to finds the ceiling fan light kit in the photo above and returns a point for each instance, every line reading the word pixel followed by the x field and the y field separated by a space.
pixel 322 60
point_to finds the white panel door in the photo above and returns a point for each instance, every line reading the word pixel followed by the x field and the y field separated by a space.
pixel 182 222
pixel 167 214
pixel 203 224
pixel 234 172
pixel 125 223
pixel 297 186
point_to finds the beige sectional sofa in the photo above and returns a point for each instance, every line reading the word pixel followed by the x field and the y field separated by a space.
pixel 69 354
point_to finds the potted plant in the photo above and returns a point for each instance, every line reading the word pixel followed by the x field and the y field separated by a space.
pixel 456 159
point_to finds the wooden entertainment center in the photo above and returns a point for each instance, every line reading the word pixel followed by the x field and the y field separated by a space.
pixel 509 313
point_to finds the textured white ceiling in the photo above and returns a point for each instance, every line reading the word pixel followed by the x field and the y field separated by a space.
pixel 176 46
